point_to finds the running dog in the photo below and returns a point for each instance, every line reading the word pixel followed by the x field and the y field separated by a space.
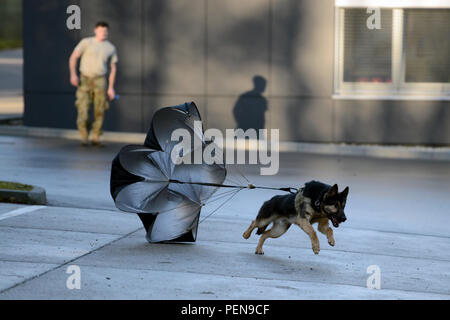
pixel 315 202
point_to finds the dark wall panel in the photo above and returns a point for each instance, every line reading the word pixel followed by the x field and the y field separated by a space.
pixel 124 114
pixel 47 46
pixel 50 110
pixel 238 44
pixel 174 47
pixel 302 48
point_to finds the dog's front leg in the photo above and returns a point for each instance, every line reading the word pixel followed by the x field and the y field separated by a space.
pixel 307 227
pixel 325 228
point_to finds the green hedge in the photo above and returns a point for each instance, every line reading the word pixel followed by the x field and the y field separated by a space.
pixel 15 186
pixel 10 24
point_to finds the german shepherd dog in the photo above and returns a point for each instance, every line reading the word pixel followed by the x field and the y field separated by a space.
pixel 315 202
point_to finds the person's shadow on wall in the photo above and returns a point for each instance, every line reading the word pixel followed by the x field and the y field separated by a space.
pixel 249 110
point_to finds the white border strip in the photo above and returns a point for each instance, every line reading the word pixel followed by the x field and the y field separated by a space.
pixel 11 61
pixel 404 152
pixel 389 97
pixel 343 149
pixel 20 211
pixel 393 4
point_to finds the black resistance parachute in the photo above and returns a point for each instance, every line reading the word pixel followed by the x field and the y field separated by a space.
pixel 167 193
pixel 145 180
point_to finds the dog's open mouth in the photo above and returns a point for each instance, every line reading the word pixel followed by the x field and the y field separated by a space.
pixel 334 221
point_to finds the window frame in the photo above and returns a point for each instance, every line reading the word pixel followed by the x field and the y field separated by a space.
pixel 398 88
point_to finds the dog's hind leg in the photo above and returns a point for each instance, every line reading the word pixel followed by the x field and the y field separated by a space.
pixel 248 232
pixel 258 223
pixel 278 229
pixel 324 227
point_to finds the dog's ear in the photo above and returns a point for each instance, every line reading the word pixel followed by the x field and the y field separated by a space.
pixel 344 193
pixel 333 191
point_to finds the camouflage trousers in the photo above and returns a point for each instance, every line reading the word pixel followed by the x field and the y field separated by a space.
pixel 91 90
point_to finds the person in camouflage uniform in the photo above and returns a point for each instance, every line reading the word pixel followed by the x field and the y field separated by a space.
pixel 95 52
pixel 91 90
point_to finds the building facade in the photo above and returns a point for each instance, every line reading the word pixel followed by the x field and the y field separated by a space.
pixel 319 71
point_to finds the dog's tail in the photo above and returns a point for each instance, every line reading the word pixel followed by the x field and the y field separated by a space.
pixel 261 230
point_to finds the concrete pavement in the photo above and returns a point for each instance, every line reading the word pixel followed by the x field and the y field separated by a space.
pixel 398 219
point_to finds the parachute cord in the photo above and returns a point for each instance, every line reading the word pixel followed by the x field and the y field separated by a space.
pixel 211 199
pixel 220 206
pixel 233 194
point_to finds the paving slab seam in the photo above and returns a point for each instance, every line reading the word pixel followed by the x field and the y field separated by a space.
pixel 89 208
pixel 64 230
pixel 331 250
pixel 343 228
pixel 60 230
pixel 262 278
pixel 53 203
pixel 67 262
pixel 268 246
pixel 246 220
pixel 30 262
pixel 52 206
pixel 399 232
pixel 243 243
pixel 21 211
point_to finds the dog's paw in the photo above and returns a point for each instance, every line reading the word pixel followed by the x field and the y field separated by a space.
pixel 259 251
pixel 331 242
pixel 316 249
pixel 246 235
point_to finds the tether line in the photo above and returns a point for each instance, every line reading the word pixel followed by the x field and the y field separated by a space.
pixel 249 186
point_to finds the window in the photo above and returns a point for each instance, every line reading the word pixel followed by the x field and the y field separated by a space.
pixel 408 56
pixel 427 45
pixel 367 54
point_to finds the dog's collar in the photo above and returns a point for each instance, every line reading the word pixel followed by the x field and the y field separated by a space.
pixel 315 191
pixel 317 202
